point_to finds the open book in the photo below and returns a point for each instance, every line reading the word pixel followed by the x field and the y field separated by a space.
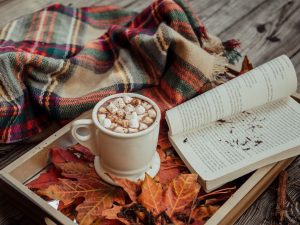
pixel 240 126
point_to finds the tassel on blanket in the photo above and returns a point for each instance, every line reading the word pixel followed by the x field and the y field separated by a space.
pixel 219 65
pixel 213 44
pixel 230 51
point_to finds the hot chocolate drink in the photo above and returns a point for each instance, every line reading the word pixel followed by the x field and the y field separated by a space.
pixel 126 114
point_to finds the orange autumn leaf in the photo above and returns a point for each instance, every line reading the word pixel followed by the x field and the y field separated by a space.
pixel 133 189
pixel 180 193
pixel 92 207
pixel 246 66
pixel 166 198
pixel 98 196
pixel 69 210
pixel 161 154
pixel 171 166
pixel 151 196
pixel 163 139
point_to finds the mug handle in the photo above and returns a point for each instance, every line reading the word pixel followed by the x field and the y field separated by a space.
pixel 83 131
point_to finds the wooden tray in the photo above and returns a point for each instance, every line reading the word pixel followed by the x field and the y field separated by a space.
pixel 15 175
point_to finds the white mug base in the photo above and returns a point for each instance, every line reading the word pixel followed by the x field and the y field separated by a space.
pixel 152 170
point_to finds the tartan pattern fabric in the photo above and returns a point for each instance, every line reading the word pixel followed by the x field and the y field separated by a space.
pixel 58 62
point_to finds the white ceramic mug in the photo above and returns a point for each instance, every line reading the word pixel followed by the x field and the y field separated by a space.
pixel 129 155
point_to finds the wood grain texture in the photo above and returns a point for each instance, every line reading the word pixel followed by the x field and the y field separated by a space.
pixel 280 20
pixel 266 29
pixel 264 209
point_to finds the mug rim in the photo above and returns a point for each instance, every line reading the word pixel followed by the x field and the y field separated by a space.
pixel 126 135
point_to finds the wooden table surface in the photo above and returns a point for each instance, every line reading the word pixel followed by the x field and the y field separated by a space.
pixel 279 33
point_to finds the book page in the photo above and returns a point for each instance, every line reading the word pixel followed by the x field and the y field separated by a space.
pixel 254 138
pixel 271 81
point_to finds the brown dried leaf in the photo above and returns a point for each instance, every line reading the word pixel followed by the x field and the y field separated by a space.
pixel 215 197
pixel 202 213
pixel 171 167
pixel 133 213
pixel 107 222
pixel 112 214
pixel 208 203
pixel 163 139
pixel 83 152
pixel 180 194
pixel 77 170
pixel 152 195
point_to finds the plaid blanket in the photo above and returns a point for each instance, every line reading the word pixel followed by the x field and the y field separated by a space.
pixel 58 62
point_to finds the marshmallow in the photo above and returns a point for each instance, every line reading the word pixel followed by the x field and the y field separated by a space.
pixel 119 130
pixel 113 118
pixel 129 108
pixel 112 108
pixel 143 126
pixel 119 102
pixel 140 117
pixel 146 105
pixel 101 118
pixel 126 115
pixel 127 99
pixel 106 123
pixel 134 116
pixel 113 125
pixel 102 110
pixel 140 110
pixel 152 113
pixel 133 123
pixel 132 130
pixel 148 120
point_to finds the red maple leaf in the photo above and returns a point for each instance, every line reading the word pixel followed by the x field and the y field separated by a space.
pixel 45 179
